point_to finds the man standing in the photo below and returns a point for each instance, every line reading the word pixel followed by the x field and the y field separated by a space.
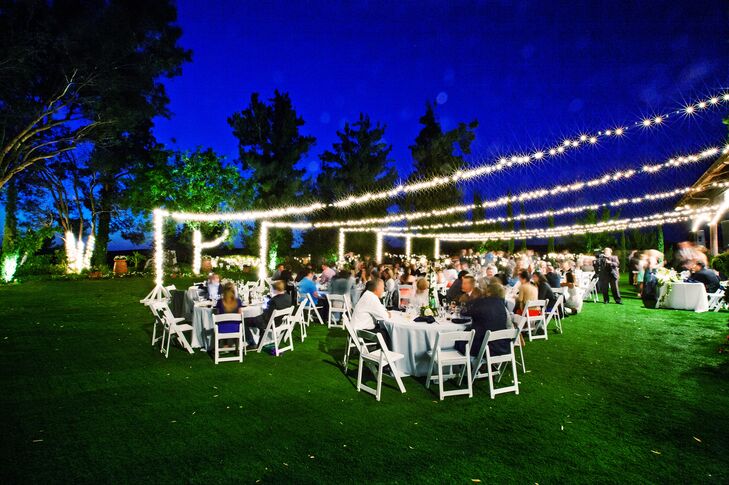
pixel 609 274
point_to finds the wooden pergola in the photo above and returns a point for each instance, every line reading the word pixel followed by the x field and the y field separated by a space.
pixel 711 189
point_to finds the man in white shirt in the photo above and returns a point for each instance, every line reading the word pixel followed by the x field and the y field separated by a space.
pixel 369 308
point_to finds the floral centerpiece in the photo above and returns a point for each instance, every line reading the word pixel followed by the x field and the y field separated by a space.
pixel 666 277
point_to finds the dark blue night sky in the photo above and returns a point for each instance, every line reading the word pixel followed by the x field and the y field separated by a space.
pixel 531 73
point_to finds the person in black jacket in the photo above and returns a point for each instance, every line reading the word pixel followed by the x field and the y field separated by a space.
pixel 489 313
pixel 544 290
pixel 280 301
pixel 706 276
pixel 454 292
pixel 554 278
pixel 608 273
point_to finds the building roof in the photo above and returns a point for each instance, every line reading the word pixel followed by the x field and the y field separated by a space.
pixel 717 172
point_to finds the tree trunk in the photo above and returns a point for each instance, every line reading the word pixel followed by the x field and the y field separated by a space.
pixel 10 232
pixel 103 227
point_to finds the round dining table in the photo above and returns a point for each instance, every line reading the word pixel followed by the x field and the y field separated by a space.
pixel 415 339
pixel 203 323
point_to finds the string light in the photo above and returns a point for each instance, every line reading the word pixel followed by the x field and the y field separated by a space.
pixel 678 215
pixel 532 194
pixel 549 213
pixel 198 245
pixel 378 247
pixel 408 245
pixel 78 254
pixel 340 247
pixel 502 163
pixel 263 250
pixel 159 245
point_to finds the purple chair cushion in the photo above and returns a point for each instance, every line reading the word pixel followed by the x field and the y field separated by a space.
pixel 228 327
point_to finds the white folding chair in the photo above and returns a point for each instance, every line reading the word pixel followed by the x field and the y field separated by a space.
pixel 554 312
pixel 590 290
pixel 519 323
pixel 444 355
pixel 353 343
pixel 298 318
pixel 376 360
pixel 337 305
pixel 405 294
pixel 716 300
pixel 227 320
pixel 278 334
pixel 158 321
pixel 537 321
pixel 173 326
pixel 310 307
pixel 488 361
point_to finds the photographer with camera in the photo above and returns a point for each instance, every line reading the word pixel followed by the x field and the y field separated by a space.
pixel 607 269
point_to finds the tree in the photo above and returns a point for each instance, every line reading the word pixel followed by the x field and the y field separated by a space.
pixel 78 71
pixel 438 153
pixel 510 225
pixel 198 181
pixel 270 146
pixel 660 244
pixel 550 241
pixel 523 226
pixel 358 161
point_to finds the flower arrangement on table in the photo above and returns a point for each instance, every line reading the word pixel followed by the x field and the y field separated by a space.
pixel 666 277
pixel 427 311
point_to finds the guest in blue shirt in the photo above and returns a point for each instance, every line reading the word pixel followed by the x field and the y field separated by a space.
pixel 307 286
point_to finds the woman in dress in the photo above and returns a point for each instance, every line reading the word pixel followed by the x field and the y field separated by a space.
pixel 572 294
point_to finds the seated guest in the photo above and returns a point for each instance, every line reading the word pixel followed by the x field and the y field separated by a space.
pixel 302 274
pixel 553 278
pixel 343 284
pixel 572 293
pixel 527 292
pixel 490 272
pixel 544 290
pixel 706 276
pixel 279 301
pixel 454 292
pixel 228 302
pixel 370 309
pixel 390 284
pixel 450 274
pixel 489 313
pixel 277 274
pixel 469 292
pixel 327 274
pixel 211 288
pixel 407 278
pixel 308 287
pixel 283 274
pixel 422 294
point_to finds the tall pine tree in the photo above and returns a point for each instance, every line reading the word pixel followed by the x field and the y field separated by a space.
pixel 359 160
pixel 270 146
pixel 436 153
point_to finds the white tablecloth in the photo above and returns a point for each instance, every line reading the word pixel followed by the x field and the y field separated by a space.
pixel 413 340
pixel 686 296
pixel 202 324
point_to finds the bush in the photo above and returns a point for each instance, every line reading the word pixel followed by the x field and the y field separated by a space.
pixel 720 263
pixel 41 265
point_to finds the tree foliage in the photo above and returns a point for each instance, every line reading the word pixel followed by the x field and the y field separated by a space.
pixel 270 147
pixel 359 160
pixel 80 70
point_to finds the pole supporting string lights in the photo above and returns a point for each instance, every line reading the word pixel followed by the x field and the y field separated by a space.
pixel 198 245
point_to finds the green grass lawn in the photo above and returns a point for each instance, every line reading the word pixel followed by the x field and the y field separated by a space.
pixel 626 394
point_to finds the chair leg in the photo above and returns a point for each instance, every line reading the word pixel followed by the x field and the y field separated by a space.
pixel 379 380
pixel 468 370
pixel 359 376
pixel 346 353
pixel 430 371
pixel 513 371
pixel 491 379
pixel 521 351
pixel 440 381
pixel 154 333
